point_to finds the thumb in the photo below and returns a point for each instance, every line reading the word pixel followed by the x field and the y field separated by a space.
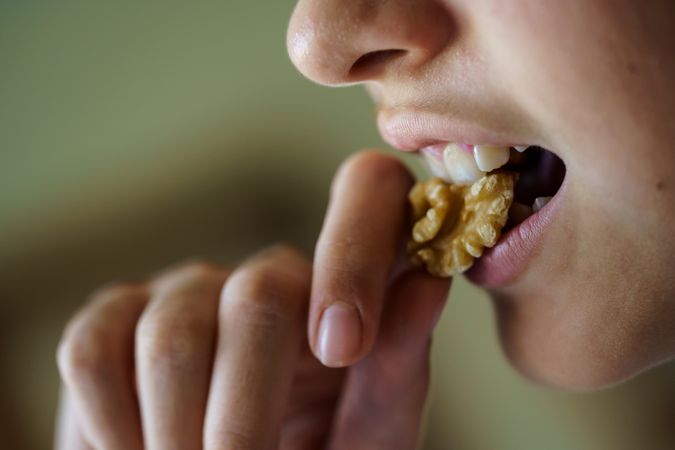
pixel 384 396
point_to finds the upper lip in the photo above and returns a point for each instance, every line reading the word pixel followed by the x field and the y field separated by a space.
pixel 411 129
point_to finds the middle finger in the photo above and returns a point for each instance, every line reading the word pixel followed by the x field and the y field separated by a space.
pixel 260 334
pixel 174 349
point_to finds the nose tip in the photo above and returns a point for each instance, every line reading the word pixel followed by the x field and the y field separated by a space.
pixel 312 55
pixel 338 42
pixel 318 58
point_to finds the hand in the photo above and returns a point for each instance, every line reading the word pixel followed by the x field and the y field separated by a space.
pixel 199 357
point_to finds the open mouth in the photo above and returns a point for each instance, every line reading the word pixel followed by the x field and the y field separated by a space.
pixel 520 209
pixel 540 172
pixel 540 175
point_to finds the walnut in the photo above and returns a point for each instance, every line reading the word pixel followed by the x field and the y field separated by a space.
pixel 453 223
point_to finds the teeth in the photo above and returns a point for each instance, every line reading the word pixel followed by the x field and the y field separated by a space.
pixel 490 158
pixel 435 165
pixel 540 202
pixel 521 148
pixel 461 165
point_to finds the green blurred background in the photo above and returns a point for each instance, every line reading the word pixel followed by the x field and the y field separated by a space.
pixel 137 134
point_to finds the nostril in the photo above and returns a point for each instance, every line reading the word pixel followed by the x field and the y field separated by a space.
pixel 370 63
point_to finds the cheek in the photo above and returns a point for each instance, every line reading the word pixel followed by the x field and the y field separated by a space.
pixel 595 309
pixel 561 61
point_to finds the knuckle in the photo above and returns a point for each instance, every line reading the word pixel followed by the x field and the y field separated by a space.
pixel 266 292
pixel 172 341
pixel 83 352
pixel 348 272
pixel 115 291
pixel 194 269
pixel 346 253
pixel 200 268
pixel 187 274
pixel 285 251
pixel 86 346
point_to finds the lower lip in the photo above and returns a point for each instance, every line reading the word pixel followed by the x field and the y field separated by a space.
pixel 505 262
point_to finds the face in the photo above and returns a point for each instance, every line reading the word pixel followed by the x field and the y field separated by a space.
pixel 585 294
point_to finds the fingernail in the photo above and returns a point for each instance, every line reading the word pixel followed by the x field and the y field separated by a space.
pixel 339 334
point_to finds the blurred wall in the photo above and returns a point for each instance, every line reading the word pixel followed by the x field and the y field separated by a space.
pixel 137 134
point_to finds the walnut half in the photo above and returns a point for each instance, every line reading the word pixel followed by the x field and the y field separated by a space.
pixel 453 223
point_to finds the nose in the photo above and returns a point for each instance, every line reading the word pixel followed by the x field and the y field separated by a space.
pixel 339 42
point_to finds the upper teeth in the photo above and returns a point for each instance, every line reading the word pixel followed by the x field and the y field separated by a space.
pixel 459 166
pixel 489 158
pixel 436 166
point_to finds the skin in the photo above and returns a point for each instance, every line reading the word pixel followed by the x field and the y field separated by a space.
pixel 203 356
pixel 594 82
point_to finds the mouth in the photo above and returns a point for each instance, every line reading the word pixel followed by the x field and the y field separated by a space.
pixel 540 178
pixel 538 194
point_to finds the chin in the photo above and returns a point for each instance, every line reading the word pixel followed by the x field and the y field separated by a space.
pixel 571 375
pixel 577 371
pixel 577 353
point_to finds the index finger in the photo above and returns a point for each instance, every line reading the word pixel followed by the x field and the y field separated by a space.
pixel 355 253
pixel 261 315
